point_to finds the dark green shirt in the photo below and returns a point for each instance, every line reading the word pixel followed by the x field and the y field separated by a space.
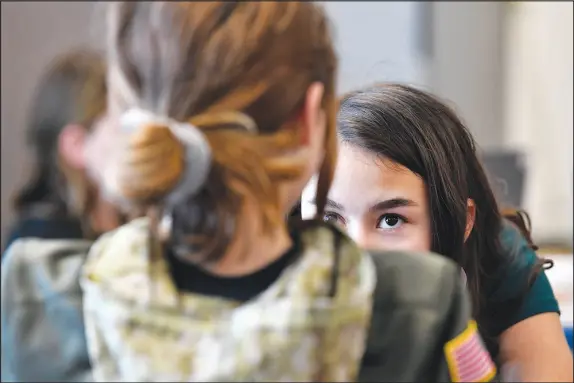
pixel 513 295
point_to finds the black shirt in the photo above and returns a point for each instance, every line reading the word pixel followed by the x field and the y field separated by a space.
pixel 194 279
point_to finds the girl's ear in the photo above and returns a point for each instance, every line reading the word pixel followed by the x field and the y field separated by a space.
pixel 470 217
pixel 71 143
pixel 312 116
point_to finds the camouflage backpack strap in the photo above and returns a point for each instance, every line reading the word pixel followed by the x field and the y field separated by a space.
pixel 421 323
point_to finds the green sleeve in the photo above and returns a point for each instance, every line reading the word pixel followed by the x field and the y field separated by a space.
pixel 512 286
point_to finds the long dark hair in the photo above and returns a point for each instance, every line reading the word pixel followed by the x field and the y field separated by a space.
pixel 73 90
pixel 417 130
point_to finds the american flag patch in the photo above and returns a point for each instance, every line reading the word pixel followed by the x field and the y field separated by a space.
pixel 467 358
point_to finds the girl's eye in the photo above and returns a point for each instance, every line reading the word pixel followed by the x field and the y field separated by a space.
pixel 333 218
pixel 390 222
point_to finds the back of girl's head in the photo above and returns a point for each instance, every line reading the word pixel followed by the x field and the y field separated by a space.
pixel 221 66
pixel 415 129
pixel 71 91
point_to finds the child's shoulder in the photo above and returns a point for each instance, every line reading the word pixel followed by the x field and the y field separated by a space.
pixel 519 257
pixel 516 269
pixel 123 249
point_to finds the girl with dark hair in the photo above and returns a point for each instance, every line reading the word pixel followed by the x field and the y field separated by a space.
pixel 408 178
pixel 58 202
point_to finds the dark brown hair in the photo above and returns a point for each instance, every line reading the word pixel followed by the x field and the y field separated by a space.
pixel 71 91
pixel 417 130
pixel 198 62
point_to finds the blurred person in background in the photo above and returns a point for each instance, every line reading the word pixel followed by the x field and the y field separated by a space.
pixel 408 178
pixel 60 213
pixel 58 202
pixel 225 110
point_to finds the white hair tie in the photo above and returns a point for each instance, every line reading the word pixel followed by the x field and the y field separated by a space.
pixel 197 151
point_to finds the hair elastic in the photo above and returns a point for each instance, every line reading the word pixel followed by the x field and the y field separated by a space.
pixel 198 154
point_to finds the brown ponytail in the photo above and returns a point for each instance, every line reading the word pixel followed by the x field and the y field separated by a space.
pixel 225 68
pixel 152 165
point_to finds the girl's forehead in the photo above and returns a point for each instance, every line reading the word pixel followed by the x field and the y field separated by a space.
pixel 363 179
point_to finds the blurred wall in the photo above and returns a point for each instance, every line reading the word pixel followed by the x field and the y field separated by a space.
pixel 32 34
pixel 467 64
pixel 539 117
pixel 379 41
pixel 454 49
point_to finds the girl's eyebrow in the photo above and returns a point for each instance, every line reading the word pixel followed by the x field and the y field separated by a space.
pixel 392 203
pixel 379 206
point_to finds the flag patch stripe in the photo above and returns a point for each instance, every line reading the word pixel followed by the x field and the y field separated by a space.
pixel 467 358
